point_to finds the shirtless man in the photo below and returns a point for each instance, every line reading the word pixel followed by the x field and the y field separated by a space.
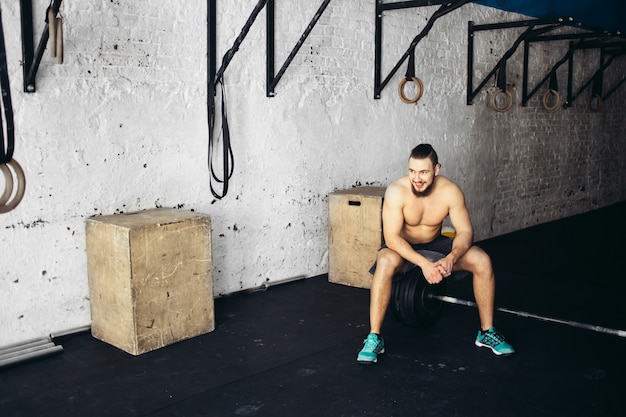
pixel 414 209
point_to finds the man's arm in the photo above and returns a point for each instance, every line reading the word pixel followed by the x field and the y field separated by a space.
pixel 460 219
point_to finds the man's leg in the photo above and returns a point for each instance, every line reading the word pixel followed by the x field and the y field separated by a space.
pixel 387 263
pixel 478 262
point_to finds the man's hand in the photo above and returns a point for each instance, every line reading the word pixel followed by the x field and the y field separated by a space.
pixel 444 266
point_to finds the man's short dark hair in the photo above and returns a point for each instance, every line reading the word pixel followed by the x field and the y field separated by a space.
pixel 424 151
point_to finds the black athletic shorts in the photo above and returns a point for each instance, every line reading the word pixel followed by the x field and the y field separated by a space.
pixel 441 244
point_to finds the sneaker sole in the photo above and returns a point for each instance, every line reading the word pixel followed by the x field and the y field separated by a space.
pixel 479 344
pixel 366 362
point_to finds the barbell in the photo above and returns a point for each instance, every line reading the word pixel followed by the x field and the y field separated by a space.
pixel 417 303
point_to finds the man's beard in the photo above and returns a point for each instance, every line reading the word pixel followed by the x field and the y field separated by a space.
pixel 424 193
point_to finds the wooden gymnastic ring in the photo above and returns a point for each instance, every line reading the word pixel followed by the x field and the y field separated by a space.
pixel 8 184
pixel 52 32
pixel 492 100
pixel 21 187
pixel 59 43
pixel 595 103
pixel 420 91
pixel 546 97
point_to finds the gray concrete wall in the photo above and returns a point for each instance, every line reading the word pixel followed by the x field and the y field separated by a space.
pixel 121 126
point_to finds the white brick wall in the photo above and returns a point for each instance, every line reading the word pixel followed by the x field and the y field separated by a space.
pixel 121 126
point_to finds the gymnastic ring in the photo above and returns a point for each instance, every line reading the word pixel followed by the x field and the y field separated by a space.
pixel 546 97
pixel 420 91
pixel 8 184
pixel 595 103
pixel 21 186
pixel 492 100
pixel 52 32
pixel 59 43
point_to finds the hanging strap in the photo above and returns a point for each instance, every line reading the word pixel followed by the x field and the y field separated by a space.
pixel 410 69
pixel 553 84
pixel 6 153
pixel 228 161
pixel 501 77
pixel 596 86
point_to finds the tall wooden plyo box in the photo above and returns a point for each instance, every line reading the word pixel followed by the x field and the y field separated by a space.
pixel 150 280
pixel 355 234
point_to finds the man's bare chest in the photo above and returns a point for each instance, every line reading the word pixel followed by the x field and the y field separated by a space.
pixel 426 213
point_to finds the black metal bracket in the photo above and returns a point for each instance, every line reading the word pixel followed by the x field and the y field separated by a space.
pixel 590 40
pixel 610 50
pixel 215 76
pixel 533 28
pixel 445 8
pixel 31 59
pixel 271 79
pixel 584 40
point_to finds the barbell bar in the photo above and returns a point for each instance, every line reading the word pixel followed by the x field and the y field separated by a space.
pixel 419 303
pixel 571 323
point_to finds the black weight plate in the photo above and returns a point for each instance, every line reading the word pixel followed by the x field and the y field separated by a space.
pixel 409 305
pixel 395 298
pixel 428 309
pixel 399 299
pixel 411 302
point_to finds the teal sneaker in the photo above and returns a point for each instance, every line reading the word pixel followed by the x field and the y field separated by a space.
pixel 373 346
pixel 494 341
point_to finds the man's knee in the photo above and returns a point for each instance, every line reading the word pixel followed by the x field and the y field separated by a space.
pixel 388 260
pixel 477 260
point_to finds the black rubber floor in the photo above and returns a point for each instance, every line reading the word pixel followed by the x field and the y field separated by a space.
pixel 291 350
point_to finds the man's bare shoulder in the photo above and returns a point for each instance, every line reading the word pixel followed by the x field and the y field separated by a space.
pixel 397 189
pixel 448 187
pixel 443 180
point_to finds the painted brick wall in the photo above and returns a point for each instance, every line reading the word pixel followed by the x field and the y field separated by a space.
pixel 121 126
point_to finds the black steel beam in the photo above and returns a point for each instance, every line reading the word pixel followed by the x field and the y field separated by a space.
pixel 211 45
pixel 568 36
pixel 28 49
pixel 269 47
pixel 408 4
pixel 522 23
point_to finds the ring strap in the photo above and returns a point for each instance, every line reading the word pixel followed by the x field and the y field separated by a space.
pixel 6 154
pixel 410 69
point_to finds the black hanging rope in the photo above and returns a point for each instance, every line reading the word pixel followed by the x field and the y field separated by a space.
pixel 6 153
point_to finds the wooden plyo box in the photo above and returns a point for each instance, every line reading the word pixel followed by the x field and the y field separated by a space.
pixel 355 234
pixel 150 280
